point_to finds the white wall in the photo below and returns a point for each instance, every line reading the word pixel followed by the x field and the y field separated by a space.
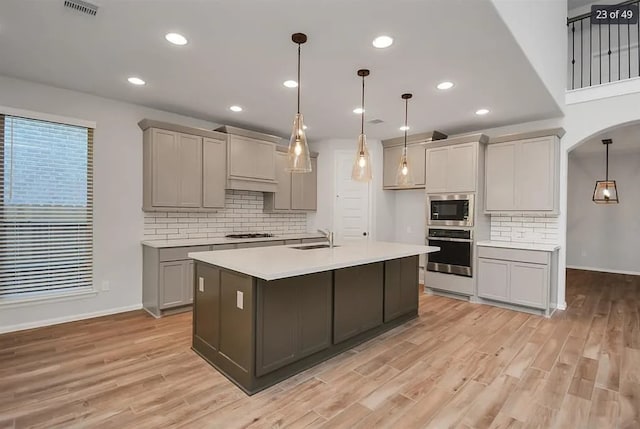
pixel 539 27
pixel 604 237
pixel 382 202
pixel 118 218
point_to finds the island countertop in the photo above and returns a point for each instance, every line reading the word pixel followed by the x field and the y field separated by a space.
pixel 272 263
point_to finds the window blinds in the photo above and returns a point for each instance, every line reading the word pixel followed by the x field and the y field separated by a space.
pixel 46 207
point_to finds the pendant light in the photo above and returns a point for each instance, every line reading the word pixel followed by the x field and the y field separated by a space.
pixel 606 191
pixel 299 159
pixel 362 164
pixel 404 175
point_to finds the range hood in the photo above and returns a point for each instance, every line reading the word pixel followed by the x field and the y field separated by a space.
pixel 251 159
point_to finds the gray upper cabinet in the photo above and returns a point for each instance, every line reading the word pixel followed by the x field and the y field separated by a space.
pixel 304 189
pixel 184 169
pixel 251 159
pixel 523 174
pixel 416 147
pixel 294 192
pixel 214 158
pixel 452 168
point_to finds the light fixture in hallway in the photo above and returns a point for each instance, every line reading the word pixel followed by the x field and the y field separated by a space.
pixel 606 191
pixel 404 175
pixel 362 164
pixel 299 157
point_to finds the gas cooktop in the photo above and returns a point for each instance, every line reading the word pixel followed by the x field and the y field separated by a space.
pixel 249 235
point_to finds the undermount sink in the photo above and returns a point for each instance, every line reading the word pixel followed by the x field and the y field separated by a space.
pixel 313 246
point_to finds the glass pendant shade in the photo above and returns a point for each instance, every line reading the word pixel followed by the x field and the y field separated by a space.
pixel 298 153
pixel 362 164
pixel 605 192
pixel 404 176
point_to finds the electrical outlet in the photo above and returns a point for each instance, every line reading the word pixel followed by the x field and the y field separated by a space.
pixel 105 285
pixel 200 284
pixel 240 300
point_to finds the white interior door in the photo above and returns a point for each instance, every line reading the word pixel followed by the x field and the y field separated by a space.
pixel 351 208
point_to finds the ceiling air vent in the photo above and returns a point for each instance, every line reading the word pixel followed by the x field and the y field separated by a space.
pixel 376 121
pixel 82 6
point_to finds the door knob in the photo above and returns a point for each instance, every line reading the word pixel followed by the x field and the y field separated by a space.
pixel 364 233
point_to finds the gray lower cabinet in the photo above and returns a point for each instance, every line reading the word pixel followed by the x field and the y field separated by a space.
pixel 174 284
pixel 517 277
pixel 358 300
pixel 293 319
pixel 400 287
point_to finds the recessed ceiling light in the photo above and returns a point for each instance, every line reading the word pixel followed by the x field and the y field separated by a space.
pixel 290 83
pixel 176 39
pixel 405 128
pixel 136 81
pixel 235 108
pixel 381 42
pixel 358 110
pixel 481 112
pixel 445 85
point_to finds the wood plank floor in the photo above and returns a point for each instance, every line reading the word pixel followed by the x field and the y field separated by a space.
pixel 458 365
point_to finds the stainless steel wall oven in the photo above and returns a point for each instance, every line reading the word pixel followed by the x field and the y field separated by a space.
pixel 456 251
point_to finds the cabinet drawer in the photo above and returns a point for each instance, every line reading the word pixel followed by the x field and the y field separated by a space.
pixel 180 253
pixel 223 246
pixel 260 244
pixel 313 240
pixel 518 255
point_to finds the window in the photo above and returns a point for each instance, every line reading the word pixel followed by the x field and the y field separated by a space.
pixel 46 208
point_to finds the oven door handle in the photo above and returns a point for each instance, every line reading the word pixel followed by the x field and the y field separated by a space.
pixel 457 240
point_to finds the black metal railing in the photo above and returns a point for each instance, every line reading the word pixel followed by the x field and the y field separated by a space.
pixel 602 53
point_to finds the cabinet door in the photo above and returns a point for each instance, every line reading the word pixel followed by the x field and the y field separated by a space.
pixel 400 287
pixel 358 298
pixel 214 172
pixel 250 158
pixel 188 282
pixel 282 196
pixel 529 284
pixel 493 279
pixel 416 154
pixel 172 284
pixel 500 176
pixel 461 168
pixel 165 169
pixel 535 174
pixel 391 159
pixel 206 305
pixel 276 324
pixel 304 189
pixel 315 310
pixel 436 169
pixel 190 159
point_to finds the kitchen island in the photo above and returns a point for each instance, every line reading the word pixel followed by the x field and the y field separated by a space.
pixel 263 314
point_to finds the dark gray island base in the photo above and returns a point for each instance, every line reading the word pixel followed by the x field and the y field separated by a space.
pixel 258 333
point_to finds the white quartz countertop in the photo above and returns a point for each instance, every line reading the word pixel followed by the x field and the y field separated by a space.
pixel 522 246
pixel 185 242
pixel 271 263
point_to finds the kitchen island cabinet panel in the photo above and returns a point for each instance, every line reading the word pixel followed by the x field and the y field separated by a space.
pixel 236 319
pixel 358 297
pixel 293 320
pixel 206 324
pixel 400 291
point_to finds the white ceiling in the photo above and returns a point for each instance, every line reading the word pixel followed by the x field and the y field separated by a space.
pixel 626 139
pixel 240 52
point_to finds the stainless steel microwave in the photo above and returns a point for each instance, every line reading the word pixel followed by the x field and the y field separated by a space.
pixel 450 210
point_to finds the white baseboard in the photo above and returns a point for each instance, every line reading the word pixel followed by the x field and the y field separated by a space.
pixel 65 319
pixel 604 270
pixel 562 306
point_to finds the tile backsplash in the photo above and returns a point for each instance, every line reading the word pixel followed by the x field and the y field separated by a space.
pixel 242 213
pixel 525 228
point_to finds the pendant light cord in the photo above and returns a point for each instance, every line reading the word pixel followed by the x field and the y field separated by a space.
pixel 406 109
pixel 298 78
pixel 607 167
pixel 362 106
